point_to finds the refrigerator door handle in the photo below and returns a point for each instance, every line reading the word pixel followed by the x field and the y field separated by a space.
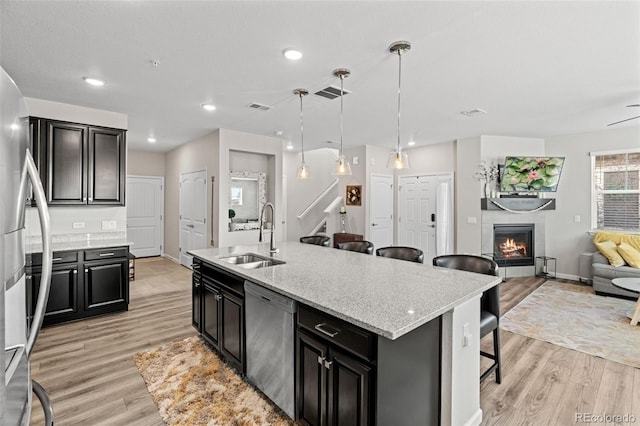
pixel 31 171
pixel 44 402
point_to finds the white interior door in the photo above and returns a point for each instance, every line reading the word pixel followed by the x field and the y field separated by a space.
pixel 381 210
pixel 417 214
pixel 193 211
pixel 145 206
pixel 425 214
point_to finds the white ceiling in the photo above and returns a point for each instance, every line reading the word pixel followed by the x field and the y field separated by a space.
pixel 538 68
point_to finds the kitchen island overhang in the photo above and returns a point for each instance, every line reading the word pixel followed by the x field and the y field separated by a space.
pixel 416 309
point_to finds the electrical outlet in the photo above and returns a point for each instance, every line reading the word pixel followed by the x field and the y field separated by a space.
pixel 354 161
pixel 472 219
pixel 108 225
pixel 78 225
pixel 577 219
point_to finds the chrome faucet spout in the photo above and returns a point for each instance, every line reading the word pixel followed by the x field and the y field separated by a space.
pixel 272 245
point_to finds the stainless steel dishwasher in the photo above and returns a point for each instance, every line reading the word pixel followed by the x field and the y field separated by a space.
pixel 270 347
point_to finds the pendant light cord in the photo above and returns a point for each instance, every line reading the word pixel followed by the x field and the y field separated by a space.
pixel 399 85
pixel 301 128
pixel 341 111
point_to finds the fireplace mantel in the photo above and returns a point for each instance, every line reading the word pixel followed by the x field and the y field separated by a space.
pixel 518 205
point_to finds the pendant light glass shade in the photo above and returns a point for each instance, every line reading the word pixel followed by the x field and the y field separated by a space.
pixel 342 168
pixel 303 171
pixel 399 159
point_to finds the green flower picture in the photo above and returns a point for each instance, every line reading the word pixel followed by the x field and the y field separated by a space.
pixel 531 174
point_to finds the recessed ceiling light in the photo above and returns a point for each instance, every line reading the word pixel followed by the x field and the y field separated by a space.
pixel 289 146
pixel 209 107
pixel 411 143
pixel 151 139
pixel 278 133
pixel 93 81
pixel 471 112
pixel 292 54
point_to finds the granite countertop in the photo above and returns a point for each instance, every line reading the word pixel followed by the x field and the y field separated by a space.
pixel 389 297
pixel 63 242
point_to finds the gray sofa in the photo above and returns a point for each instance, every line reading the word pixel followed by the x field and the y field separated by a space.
pixel 602 274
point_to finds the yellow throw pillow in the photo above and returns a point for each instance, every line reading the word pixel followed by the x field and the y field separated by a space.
pixel 610 251
pixel 629 254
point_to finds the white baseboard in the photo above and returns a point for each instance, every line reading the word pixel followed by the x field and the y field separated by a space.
pixel 476 419
pixel 171 258
pixel 568 276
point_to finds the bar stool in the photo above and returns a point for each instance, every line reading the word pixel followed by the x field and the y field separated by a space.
pixel 319 240
pixel 403 253
pixel 357 246
pixel 489 303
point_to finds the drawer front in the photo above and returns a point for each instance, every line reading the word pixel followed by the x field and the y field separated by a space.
pixel 106 253
pixel 223 279
pixel 350 337
pixel 58 257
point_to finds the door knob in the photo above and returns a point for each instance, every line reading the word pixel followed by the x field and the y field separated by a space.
pixel 374 224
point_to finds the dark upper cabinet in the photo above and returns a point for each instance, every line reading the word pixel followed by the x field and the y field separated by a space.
pixel 80 164
pixel 106 178
pixel 66 147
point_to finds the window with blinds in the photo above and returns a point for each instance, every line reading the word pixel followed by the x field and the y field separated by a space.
pixel 616 180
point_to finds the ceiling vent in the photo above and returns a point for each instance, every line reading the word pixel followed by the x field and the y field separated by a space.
pixel 473 112
pixel 331 92
pixel 261 107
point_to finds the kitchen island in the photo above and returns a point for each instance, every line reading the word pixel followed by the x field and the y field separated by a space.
pixel 424 362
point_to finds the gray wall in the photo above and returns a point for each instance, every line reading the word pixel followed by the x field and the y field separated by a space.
pixel 566 238
pixel 145 163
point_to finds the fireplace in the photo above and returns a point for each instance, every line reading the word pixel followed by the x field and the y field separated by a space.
pixel 513 244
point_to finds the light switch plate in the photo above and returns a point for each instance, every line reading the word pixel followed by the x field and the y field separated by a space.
pixel 78 225
pixel 472 219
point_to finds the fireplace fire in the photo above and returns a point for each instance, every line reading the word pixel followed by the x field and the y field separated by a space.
pixel 513 244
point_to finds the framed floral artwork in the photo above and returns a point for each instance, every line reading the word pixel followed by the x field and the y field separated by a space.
pixel 354 195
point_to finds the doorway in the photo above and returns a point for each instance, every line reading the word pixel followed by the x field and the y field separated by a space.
pixel 193 212
pixel 381 210
pixel 425 214
pixel 145 212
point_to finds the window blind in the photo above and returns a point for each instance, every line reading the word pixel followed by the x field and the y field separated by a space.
pixel 616 179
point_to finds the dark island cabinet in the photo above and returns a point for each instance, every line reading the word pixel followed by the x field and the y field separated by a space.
pixel 335 377
pixel 81 285
pixel 219 296
pixel 80 164
pixel 196 295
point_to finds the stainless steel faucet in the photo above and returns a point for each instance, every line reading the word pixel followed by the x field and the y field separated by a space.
pixel 272 246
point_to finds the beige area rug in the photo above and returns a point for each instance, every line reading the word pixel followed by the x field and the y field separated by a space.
pixel 192 386
pixel 563 314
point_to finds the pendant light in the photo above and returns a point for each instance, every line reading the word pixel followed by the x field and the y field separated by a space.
pixel 343 168
pixel 303 171
pixel 399 159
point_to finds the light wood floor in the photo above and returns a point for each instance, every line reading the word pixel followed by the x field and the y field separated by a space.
pixel 87 367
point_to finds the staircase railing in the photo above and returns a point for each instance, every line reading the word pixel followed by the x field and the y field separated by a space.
pixel 318 198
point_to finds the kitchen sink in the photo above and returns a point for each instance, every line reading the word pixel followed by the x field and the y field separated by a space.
pixel 252 261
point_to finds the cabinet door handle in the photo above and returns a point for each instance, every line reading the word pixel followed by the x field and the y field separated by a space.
pixel 218 297
pixel 90 199
pixel 320 360
pixel 189 225
pixel 56 259
pixel 327 364
pixel 86 270
pixel 84 199
pixel 75 271
pixel 321 329
pixel 106 254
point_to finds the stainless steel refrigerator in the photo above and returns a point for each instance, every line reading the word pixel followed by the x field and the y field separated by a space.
pixel 19 185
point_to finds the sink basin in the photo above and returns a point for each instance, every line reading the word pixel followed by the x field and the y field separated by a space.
pixel 252 261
